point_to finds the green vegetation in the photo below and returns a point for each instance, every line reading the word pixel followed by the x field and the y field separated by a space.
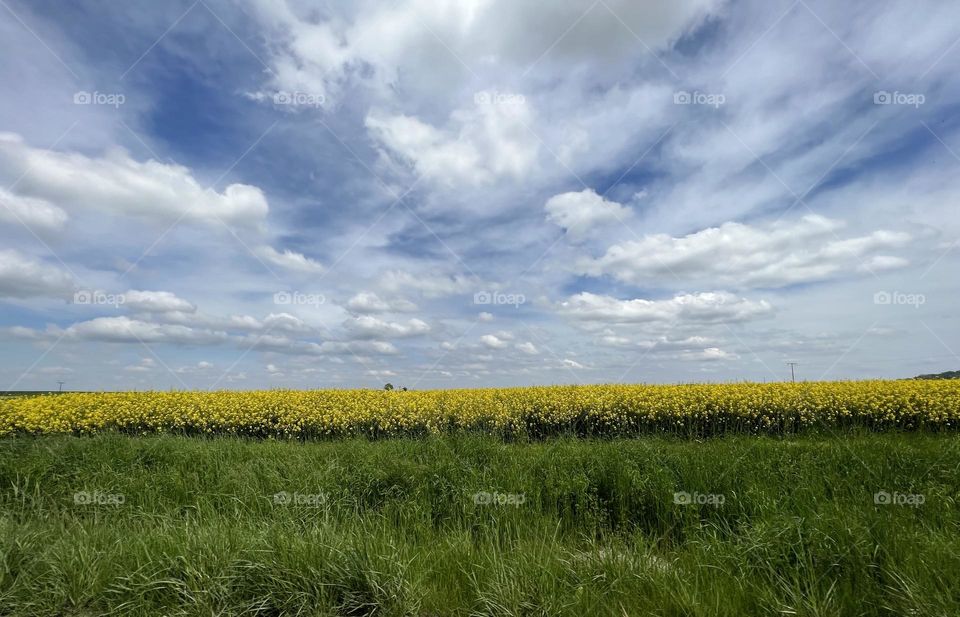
pixel 190 526
pixel 943 375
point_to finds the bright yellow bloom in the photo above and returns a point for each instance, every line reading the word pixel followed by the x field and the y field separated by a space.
pixel 535 411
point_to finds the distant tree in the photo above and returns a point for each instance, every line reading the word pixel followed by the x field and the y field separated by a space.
pixel 389 386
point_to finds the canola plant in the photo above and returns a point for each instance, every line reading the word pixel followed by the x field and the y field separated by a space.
pixel 597 410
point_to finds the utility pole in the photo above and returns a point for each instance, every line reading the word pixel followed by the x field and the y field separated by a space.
pixel 60 389
pixel 793 376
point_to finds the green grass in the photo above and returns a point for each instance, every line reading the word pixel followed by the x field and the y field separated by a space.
pixel 398 530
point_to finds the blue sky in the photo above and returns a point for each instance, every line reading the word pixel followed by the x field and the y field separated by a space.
pixel 218 194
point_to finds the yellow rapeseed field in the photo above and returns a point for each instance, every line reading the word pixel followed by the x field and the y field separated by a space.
pixel 533 411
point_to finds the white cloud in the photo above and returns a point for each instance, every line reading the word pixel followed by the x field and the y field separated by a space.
pixel 710 354
pixel 369 302
pixel 23 277
pixel 156 302
pixel 288 259
pixel 118 184
pixel 381 373
pixel 368 326
pixel 34 213
pixel 706 307
pixel 485 316
pixel 430 285
pixel 528 348
pixel 383 348
pixel 745 256
pixel 483 143
pixel 376 45
pixel 199 367
pixel 126 330
pixel 144 366
pixel 662 343
pixel 578 213
pixel 285 322
pixel 492 341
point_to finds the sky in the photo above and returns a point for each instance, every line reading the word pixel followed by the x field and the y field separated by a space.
pixel 217 194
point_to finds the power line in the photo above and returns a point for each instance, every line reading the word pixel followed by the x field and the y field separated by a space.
pixel 793 377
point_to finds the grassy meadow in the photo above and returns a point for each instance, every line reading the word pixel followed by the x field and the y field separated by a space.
pixel 858 523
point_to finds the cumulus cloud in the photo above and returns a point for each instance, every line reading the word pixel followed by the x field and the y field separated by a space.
pixel 285 322
pixel 34 213
pixel 118 184
pixel 492 341
pixel 369 302
pixel 288 259
pixel 482 143
pixel 123 329
pixel 199 367
pixel 156 302
pixel 382 348
pixel 368 326
pixel 710 354
pixel 705 307
pixel 378 44
pixel 663 343
pixel 144 366
pixel 580 212
pixel 24 277
pixel 280 343
pixel 528 348
pixel 744 256
pixel 430 285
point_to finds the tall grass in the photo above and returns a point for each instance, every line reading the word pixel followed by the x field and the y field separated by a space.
pixel 393 527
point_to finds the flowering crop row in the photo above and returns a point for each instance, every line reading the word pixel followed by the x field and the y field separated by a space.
pixel 532 411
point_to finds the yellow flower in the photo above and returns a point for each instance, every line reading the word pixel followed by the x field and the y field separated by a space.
pixel 603 409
